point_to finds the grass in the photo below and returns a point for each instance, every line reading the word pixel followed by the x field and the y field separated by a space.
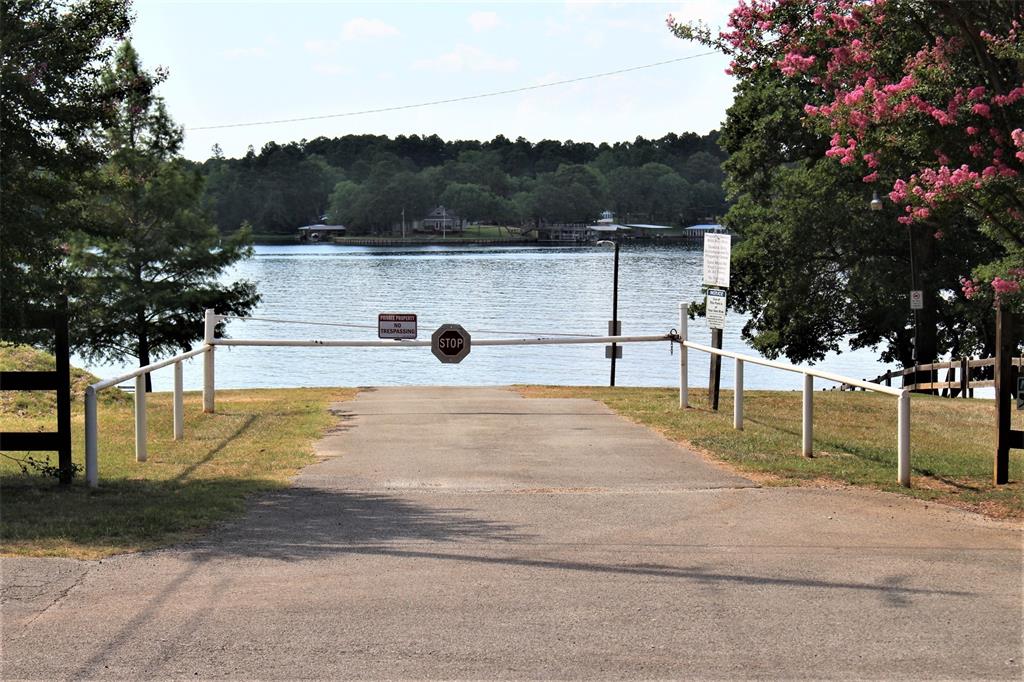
pixel 952 441
pixel 255 442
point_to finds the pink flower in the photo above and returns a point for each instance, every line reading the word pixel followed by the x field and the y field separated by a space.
pixel 981 109
pixel 1005 286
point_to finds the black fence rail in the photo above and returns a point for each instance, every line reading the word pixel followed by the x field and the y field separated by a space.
pixel 58 380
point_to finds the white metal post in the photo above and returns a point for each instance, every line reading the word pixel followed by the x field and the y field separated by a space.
pixel 737 395
pixel 179 403
pixel 808 450
pixel 684 379
pixel 903 438
pixel 140 418
pixel 92 476
pixel 210 325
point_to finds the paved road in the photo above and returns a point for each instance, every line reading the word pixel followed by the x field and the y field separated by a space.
pixel 471 533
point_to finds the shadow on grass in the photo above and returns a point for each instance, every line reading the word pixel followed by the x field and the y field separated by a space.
pixel 242 428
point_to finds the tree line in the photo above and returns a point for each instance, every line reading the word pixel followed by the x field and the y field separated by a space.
pixel 368 182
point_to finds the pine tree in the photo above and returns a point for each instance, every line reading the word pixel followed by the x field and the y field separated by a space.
pixel 154 260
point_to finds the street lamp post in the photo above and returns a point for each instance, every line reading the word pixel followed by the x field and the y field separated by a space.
pixel 876 205
pixel 614 330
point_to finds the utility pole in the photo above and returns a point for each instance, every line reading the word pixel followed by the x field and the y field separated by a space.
pixel 403 223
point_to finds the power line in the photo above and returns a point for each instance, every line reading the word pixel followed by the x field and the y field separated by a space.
pixel 453 99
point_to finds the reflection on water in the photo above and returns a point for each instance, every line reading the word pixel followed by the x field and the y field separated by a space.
pixel 503 290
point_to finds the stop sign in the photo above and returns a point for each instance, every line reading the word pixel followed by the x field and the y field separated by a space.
pixel 450 343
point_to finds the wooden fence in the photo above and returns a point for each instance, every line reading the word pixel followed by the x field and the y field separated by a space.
pixel 962 377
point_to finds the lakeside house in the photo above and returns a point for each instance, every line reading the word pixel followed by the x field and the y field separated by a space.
pixel 440 219
pixel 320 232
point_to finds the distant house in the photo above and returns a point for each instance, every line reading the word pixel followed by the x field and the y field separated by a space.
pixel 319 232
pixel 440 219
pixel 698 231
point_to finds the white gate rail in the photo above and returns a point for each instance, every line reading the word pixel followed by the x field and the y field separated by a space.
pixel 92 476
pixel 902 395
pixel 209 382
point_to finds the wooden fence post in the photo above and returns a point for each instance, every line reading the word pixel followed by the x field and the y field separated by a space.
pixel 1006 437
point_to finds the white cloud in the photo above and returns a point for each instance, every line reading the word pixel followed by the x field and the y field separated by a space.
pixel 466 58
pixel 361 27
pixel 245 52
pixel 321 48
pixel 483 21
pixel 715 13
pixel 327 69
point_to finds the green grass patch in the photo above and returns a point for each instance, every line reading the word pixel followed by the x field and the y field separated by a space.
pixel 952 441
pixel 257 441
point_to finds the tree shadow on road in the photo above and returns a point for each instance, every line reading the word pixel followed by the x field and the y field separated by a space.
pixel 299 524
pixel 295 524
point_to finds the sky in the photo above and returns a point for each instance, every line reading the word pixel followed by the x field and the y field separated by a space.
pixel 243 62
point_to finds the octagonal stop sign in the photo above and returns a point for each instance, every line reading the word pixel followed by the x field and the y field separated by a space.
pixel 450 343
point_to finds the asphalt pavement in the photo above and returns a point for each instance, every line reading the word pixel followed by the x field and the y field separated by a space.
pixel 472 533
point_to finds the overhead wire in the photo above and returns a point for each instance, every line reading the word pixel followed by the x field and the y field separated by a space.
pixel 368 326
pixel 451 100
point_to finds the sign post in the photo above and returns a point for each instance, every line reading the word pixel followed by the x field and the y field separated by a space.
pixel 450 343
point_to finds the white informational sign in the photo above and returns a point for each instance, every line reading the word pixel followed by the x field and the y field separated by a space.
pixel 916 299
pixel 396 326
pixel 717 251
pixel 715 309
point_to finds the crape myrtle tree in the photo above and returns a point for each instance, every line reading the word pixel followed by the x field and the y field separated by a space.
pixel 51 100
pixel 919 101
pixel 153 260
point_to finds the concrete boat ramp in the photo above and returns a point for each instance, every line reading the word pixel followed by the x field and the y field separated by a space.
pixel 472 533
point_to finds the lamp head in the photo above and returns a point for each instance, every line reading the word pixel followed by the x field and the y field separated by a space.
pixel 876 203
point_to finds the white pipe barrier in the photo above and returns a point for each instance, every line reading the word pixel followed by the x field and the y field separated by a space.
pixel 684 379
pixel 808 419
pixel 902 395
pixel 92 476
pixel 737 393
pixel 179 402
pixel 209 327
pixel 140 418
pixel 385 343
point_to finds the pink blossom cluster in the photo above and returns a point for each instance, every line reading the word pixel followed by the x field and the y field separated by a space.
pixel 1005 286
pixel 970 287
pixel 1001 286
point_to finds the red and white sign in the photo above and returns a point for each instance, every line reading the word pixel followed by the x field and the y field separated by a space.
pixel 396 326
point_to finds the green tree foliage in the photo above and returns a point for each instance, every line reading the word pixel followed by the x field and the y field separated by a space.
pixel 836 99
pixel 154 260
pixel 473 202
pixel 663 181
pixel 51 101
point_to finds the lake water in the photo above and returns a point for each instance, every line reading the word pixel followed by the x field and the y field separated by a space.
pixel 494 292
